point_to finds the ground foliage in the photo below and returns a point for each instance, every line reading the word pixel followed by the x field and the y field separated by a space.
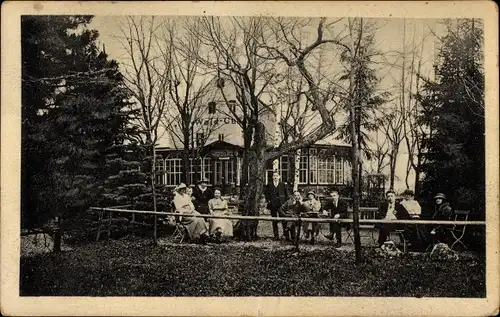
pixel 133 266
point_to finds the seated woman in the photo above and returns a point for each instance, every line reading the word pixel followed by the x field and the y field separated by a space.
pixel 219 228
pixel 410 204
pixel 196 227
pixel 291 208
pixel 414 210
pixel 442 211
pixel 312 207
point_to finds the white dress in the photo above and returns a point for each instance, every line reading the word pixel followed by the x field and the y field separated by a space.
pixel 194 225
pixel 219 206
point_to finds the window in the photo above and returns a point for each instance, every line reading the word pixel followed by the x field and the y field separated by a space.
pixel 211 107
pixel 195 170
pixel 283 167
pixel 313 167
pixel 269 171
pixel 238 171
pixel 232 105
pixel 207 168
pixel 160 172
pixel 339 171
pixel 347 172
pixel 200 139
pixel 303 169
pixel 220 83
pixel 173 170
pixel 230 176
pixel 331 170
pixel 225 173
pixel 221 136
pixel 326 167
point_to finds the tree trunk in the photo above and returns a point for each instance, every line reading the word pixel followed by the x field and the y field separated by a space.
pixel 296 170
pixel 408 170
pixel 244 173
pixel 355 179
pixel 418 171
pixel 392 167
pixel 417 182
pixel 360 178
pixel 185 165
pixel 153 188
pixel 253 197
pixel 58 235
pixel 247 140
pixel 256 183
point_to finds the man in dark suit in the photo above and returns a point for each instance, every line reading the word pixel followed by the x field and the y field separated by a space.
pixel 276 195
pixel 389 210
pixel 337 208
pixel 202 194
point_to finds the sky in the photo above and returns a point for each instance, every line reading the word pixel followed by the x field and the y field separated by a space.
pixel 389 36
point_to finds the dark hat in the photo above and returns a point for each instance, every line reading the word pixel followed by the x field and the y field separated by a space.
pixel 408 192
pixel 203 180
pixel 311 192
pixel 333 189
pixel 440 195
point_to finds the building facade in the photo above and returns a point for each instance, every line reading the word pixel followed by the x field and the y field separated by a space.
pixel 321 166
pixel 219 154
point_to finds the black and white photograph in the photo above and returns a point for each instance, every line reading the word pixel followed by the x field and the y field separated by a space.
pixel 197 155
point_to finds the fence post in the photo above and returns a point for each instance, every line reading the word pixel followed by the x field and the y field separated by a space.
pixel 297 238
pixel 58 236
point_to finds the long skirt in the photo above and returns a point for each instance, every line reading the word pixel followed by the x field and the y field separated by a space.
pixel 225 226
pixel 195 226
pixel 311 226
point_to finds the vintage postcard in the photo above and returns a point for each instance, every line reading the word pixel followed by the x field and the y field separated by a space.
pixel 250 158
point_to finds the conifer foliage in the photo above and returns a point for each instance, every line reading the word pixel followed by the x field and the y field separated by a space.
pixel 74 109
pixel 454 109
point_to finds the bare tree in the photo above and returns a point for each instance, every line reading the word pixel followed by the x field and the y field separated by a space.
pixel 189 89
pixel 416 132
pixel 297 117
pixel 233 59
pixel 249 54
pixel 379 154
pixel 147 78
pixel 393 129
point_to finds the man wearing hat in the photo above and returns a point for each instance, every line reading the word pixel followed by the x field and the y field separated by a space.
pixel 202 194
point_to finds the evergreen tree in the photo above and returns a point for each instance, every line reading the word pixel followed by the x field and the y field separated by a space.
pixel 366 97
pixel 74 113
pixel 454 108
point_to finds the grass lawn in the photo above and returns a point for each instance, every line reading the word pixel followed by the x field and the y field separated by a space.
pixel 132 266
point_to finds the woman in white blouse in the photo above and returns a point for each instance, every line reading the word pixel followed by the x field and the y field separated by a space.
pixel 219 228
pixel 196 227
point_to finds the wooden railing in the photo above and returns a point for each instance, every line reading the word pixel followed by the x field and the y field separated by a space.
pixel 302 219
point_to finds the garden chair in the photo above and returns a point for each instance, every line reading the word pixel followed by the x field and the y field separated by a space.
pixel 401 234
pixel 180 232
pixel 458 231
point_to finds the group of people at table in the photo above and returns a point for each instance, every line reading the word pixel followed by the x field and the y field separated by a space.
pixel 202 200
